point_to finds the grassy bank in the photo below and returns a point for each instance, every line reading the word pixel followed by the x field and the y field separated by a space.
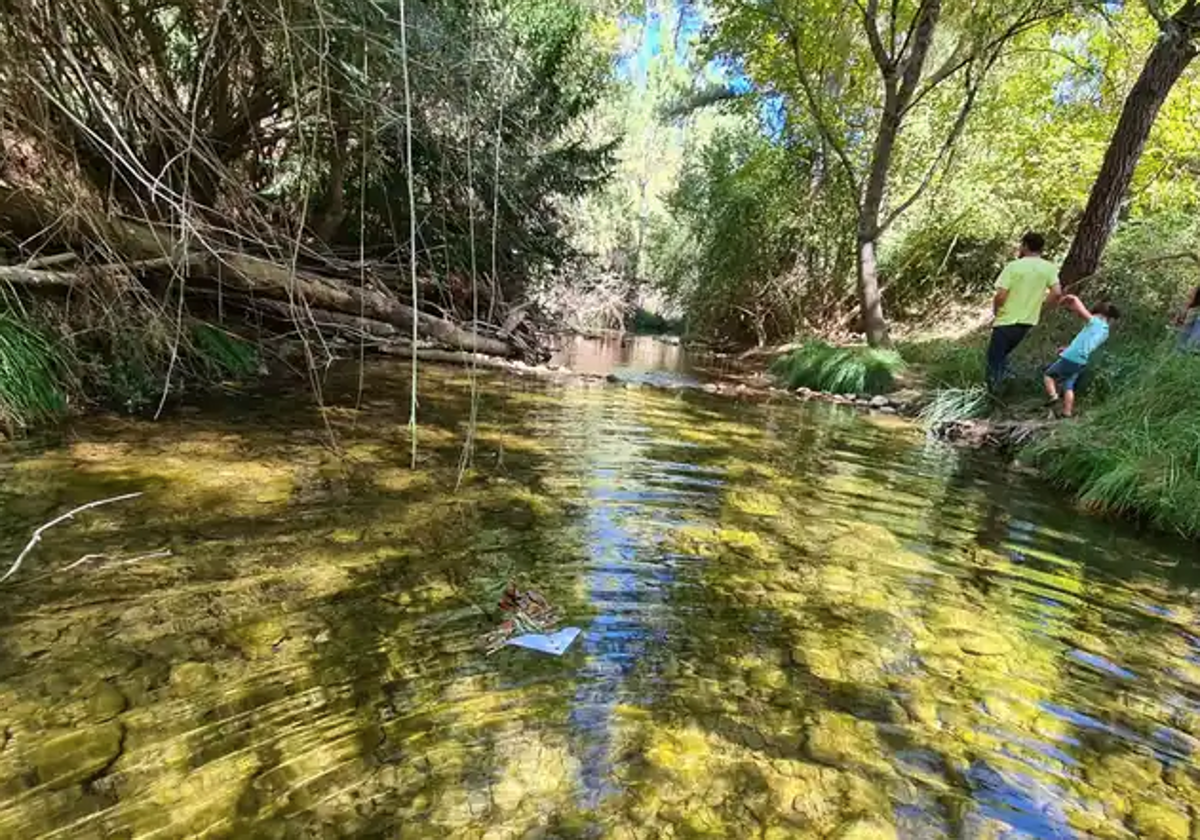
pixel 838 370
pixel 1132 450
pixel 1136 452
pixel 120 359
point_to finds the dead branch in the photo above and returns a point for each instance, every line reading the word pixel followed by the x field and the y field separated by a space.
pixel 37 535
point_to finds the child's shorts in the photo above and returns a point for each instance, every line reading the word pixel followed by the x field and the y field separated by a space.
pixel 1066 372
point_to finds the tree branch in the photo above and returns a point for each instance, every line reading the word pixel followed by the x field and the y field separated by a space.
pixel 870 15
pixel 819 117
pixel 922 38
pixel 943 154
pixel 1024 23
pixel 37 535
pixel 1154 7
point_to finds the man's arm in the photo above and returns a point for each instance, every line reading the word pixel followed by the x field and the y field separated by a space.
pixel 998 300
pixel 1056 294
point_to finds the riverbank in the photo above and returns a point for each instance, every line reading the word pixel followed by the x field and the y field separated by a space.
pixel 1130 451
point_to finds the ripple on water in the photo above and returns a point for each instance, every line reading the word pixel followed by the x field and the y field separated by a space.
pixel 795 624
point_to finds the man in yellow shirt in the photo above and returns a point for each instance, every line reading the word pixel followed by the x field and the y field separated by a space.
pixel 1021 291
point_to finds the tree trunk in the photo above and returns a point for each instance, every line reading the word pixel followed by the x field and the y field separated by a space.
pixel 869 298
pixel 869 301
pixel 900 80
pixel 1171 55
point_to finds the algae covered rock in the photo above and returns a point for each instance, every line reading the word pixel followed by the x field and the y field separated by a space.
pixel 985 644
pixel 870 829
pixel 258 639
pixel 75 757
pixel 842 740
pixel 106 702
pixel 187 677
pixel 1129 772
pixel 1157 820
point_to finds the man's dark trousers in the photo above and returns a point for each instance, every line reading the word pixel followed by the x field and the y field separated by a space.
pixel 1004 340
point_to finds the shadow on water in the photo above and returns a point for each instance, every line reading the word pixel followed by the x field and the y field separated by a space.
pixel 795 623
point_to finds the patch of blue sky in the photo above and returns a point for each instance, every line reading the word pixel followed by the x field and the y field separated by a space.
pixel 644 39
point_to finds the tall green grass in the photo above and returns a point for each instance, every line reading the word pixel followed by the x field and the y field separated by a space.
pixel 1138 451
pixel 839 370
pixel 33 376
pixel 221 353
pixel 949 405
pixel 948 364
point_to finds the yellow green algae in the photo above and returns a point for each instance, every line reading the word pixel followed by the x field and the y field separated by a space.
pixel 796 625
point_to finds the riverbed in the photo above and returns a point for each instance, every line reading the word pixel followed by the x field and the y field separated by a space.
pixel 797 621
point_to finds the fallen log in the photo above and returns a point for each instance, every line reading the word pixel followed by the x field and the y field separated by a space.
pixel 20 275
pixel 449 357
pixel 317 318
pixel 254 274
pixel 260 276
pixel 23 275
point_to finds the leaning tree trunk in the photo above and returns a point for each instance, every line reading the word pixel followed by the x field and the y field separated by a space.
pixel 1171 55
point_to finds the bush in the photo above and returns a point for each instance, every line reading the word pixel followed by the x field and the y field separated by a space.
pixel 1138 452
pixel 33 376
pixel 839 370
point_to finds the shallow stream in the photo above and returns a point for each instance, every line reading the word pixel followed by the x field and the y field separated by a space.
pixel 797 622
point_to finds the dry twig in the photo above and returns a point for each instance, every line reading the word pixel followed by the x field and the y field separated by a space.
pixel 37 535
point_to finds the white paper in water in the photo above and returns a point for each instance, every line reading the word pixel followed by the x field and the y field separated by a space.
pixel 554 644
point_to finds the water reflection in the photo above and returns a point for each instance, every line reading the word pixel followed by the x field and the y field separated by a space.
pixel 796 624
pixel 629 357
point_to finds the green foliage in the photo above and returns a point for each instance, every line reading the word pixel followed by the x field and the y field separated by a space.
pixel 305 120
pixel 1137 452
pixel 743 257
pixel 839 370
pixel 946 364
pixel 221 353
pixel 651 323
pixel 33 376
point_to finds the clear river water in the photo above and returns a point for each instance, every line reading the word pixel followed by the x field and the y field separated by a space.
pixel 796 621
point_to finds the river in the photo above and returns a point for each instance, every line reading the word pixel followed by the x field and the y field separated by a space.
pixel 796 622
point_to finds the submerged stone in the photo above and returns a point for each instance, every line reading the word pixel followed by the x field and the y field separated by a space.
pixel 76 756
pixel 1160 821
pixel 841 740
pixel 1124 772
pixel 867 830
pixel 187 677
pixel 106 702
pixel 980 644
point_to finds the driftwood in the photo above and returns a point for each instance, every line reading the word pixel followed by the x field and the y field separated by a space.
pixel 303 294
pixel 449 357
pixel 319 318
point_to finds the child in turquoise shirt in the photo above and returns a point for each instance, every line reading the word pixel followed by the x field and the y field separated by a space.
pixel 1072 361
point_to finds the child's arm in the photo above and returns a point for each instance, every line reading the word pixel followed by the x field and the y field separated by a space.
pixel 1073 303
